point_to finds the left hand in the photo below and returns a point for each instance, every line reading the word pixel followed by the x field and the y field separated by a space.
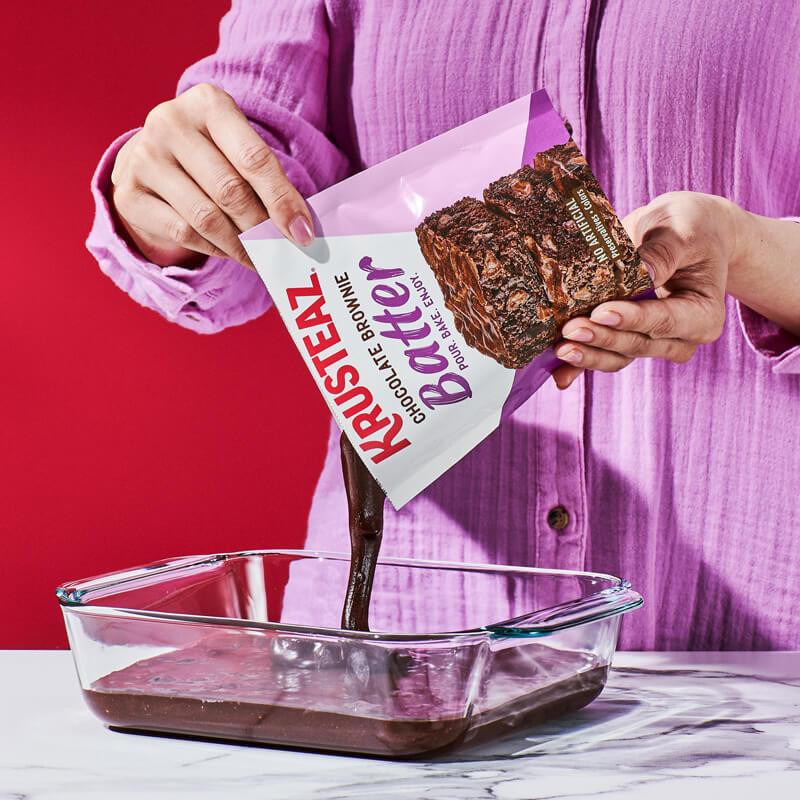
pixel 687 239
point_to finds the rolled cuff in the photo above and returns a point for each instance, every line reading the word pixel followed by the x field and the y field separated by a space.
pixel 770 341
pixel 216 295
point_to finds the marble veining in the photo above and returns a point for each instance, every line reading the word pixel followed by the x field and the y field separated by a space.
pixel 667 725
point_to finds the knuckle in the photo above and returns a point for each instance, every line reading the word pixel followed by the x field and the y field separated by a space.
pixel 662 207
pixel 697 207
pixel 603 338
pixel 232 191
pixel 719 324
pixel 206 95
pixel 141 155
pixel 205 217
pixel 631 224
pixel 122 162
pixel 637 346
pixel 256 157
pixel 705 337
pixel 180 231
pixel 715 322
pixel 241 255
pixel 617 364
pixel 661 328
pixel 117 173
pixel 622 364
pixel 635 319
pixel 675 202
pixel 123 198
pixel 201 91
pixel 282 194
pixel 158 115
pixel 680 354
pixel 692 235
pixel 710 334
pixel 667 197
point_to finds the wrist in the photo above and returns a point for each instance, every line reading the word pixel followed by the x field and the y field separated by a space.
pixel 744 259
pixel 744 236
pixel 763 272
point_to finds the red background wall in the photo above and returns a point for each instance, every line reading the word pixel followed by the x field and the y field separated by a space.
pixel 124 438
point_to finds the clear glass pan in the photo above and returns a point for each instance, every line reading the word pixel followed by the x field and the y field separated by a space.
pixel 247 646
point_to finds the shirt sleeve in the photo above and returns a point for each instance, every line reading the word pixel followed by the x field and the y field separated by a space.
pixel 273 60
pixel 769 340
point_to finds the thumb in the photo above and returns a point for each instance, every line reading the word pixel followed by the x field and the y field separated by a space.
pixel 661 252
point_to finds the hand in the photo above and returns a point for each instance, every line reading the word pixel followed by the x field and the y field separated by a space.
pixel 195 177
pixel 687 240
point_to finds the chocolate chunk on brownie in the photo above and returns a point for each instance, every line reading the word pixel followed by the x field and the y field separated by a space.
pixel 581 250
pixel 489 282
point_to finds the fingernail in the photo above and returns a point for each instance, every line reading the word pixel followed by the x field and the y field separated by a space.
pixel 580 335
pixel 571 356
pixel 301 231
pixel 562 387
pixel 650 271
pixel 606 318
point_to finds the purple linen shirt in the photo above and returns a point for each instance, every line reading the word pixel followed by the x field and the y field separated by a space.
pixel 683 478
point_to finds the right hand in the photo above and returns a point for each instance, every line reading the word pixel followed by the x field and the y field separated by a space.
pixel 196 176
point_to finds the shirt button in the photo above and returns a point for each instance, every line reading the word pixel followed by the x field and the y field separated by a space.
pixel 558 518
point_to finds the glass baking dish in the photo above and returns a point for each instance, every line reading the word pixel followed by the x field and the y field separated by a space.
pixel 247 646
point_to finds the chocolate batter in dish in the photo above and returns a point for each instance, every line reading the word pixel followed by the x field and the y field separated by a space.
pixel 234 688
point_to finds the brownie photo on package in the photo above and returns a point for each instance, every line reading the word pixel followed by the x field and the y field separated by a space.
pixel 489 281
pixel 545 246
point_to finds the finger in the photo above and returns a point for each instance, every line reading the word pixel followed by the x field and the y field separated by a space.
pixel 201 159
pixel 626 343
pixel 255 161
pixel 663 238
pixel 661 252
pixel 174 186
pixel 591 357
pixel 565 375
pixel 629 222
pixel 659 238
pixel 159 225
pixel 691 317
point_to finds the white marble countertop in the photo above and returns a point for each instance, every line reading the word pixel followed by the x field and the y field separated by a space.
pixel 686 725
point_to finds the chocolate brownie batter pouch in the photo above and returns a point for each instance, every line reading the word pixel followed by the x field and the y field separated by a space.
pixel 427 307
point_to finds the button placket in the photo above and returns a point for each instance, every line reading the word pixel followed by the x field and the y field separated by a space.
pixel 560 478
pixel 561 513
